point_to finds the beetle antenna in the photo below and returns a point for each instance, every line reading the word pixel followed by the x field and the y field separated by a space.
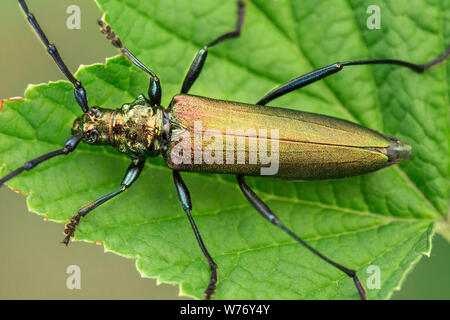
pixel 69 146
pixel 79 91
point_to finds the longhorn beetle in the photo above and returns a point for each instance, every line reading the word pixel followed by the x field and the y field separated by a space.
pixel 310 146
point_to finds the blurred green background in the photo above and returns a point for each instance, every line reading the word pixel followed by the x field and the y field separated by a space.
pixel 33 262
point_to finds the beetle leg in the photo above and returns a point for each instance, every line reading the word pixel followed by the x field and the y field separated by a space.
pixel 79 92
pixel 131 176
pixel 269 215
pixel 324 72
pixel 69 146
pixel 154 90
pixel 199 61
pixel 185 198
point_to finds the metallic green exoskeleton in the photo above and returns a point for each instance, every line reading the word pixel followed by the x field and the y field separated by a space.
pixel 135 129
pixel 206 135
pixel 310 146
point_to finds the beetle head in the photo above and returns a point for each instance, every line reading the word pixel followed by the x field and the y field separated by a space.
pixel 94 126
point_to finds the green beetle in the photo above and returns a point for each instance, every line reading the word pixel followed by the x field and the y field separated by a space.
pixel 206 135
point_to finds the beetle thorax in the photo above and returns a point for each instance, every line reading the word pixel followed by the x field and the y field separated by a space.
pixel 135 128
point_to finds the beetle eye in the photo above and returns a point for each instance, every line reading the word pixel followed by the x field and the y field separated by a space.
pixel 95 112
pixel 91 137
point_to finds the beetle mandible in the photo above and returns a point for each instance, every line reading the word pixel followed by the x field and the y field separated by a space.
pixel 309 146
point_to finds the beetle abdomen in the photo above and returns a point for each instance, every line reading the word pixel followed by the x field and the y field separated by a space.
pixel 217 136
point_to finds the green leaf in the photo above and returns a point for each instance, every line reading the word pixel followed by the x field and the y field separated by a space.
pixel 386 218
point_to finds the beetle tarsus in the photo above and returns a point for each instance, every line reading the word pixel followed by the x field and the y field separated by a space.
pixel 361 290
pixel 110 34
pixel 131 175
pixel 69 231
pixel 211 289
